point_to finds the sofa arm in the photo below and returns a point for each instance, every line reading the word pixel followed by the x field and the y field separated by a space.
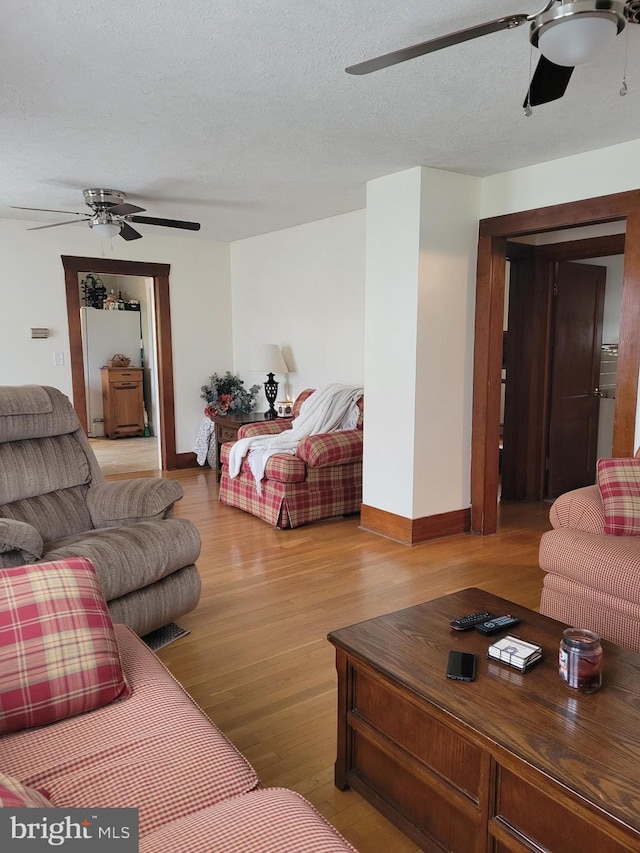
pixel 274 427
pixel 580 509
pixel 22 538
pixel 331 448
pixel 127 502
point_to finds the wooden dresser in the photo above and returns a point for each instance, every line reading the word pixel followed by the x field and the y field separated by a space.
pixel 123 401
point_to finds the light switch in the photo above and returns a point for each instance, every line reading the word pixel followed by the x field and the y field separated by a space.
pixel 58 359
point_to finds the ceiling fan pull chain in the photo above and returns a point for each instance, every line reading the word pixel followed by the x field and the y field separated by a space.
pixel 623 88
pixel 527 107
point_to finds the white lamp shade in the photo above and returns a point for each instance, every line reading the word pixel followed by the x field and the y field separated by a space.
pixel 270 359
pixel 106 229
pixel 576 40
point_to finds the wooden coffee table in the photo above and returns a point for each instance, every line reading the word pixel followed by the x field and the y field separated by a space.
pixel 510 762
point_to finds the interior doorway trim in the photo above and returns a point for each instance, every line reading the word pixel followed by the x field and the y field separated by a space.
pixel 160 274
pixel 490 284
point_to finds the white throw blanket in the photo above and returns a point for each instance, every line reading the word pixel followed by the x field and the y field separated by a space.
pixel 327 409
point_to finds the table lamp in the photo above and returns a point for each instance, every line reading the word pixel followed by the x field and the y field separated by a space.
pixel 272 361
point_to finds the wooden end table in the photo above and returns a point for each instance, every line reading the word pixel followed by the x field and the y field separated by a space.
pixel 226 429
pixel 510 763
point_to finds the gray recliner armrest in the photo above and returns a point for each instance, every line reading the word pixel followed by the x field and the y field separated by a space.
pixel 22 537
pixel 127 502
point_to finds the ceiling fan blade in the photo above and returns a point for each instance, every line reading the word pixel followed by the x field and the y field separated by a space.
pixel 549 82
pixel 47 210
pixel 129 233
pixel 125 208
pixel 55 224
pixel 436 44
pixel 168 223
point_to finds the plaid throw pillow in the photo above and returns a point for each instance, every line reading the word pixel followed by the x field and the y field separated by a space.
pixel 58 652
pixel 15 795
pixel 619 483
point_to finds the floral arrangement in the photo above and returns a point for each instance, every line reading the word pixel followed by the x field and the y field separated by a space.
pixel 226 395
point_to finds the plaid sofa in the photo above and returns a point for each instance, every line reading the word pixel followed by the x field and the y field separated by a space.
pixel 322 480
pixel 156 751
pixel 592 578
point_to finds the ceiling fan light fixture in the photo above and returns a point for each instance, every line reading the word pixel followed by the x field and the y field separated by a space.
pixel 574 32
pixel 106 229
pixel 575 41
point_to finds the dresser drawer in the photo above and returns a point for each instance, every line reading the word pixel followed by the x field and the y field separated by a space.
pixel 226 433
pixel 125 374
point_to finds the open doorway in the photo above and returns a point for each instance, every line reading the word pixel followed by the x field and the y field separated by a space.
pixel 159 273
pixel 562 324
pixel 493 236
pixel 118 322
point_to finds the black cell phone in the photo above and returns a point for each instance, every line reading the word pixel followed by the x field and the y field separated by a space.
pixel 461 666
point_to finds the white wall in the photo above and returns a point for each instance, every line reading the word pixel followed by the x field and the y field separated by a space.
pixel 422 227
pixel 594 173
pixel 303 289
pixel 391 340
pixel 32 293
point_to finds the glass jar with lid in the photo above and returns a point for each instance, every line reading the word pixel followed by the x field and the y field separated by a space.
pixel 580 660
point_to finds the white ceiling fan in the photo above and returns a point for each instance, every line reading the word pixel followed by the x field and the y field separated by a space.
pixel 111 215
pixel 567 32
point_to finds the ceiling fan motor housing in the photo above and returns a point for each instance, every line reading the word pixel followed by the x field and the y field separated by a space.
pixel 101 199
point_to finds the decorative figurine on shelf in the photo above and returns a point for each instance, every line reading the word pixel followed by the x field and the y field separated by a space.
pixel 93 291
pixel 226 395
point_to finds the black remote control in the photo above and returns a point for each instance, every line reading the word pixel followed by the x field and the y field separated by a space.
pixel 493 626
pixel 463 623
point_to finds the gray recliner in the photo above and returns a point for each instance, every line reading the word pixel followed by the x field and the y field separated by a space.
pixel 55 503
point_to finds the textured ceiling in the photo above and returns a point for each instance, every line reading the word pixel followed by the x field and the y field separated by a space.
pixel 239 114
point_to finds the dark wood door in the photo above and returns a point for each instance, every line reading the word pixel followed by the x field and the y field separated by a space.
pixel 575 369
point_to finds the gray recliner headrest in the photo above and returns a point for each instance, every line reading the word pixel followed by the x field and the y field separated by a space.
pixel 34 411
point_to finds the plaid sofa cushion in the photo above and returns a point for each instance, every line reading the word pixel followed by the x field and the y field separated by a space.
pixel 619 484
pixel 58 652
pixel 15 795
pixel 157 752
pixel 272 820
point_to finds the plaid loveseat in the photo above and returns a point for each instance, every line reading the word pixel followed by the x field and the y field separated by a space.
pixel 322 480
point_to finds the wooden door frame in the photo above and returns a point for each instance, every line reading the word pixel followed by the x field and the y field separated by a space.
pixel 160 274
pixel 490 283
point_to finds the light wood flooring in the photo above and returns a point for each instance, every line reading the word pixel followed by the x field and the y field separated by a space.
pixel 126 455
pixel 257 659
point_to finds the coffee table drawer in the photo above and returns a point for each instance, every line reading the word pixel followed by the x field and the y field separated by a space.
pixel 408 726
pixel 427 808
pixel 555 824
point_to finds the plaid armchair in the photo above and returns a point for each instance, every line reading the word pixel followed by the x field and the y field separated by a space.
pixel 322 480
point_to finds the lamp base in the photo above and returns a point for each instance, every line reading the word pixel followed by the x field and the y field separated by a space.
pixel 271 393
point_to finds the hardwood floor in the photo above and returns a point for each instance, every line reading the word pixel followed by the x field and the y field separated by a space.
pixel 126 455
pixel 257 659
